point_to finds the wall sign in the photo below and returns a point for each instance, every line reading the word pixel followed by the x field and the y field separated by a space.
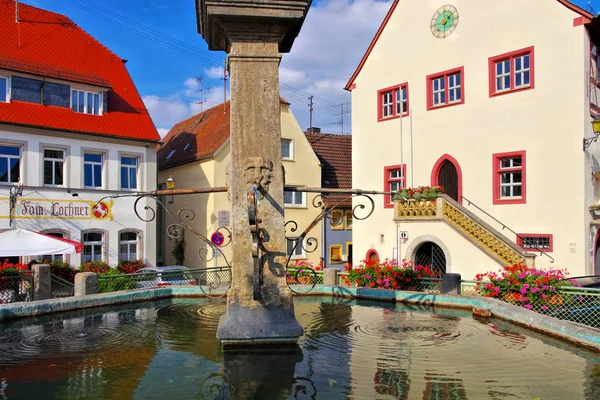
pixel 403 235
pixel 223 217
pixel 33 208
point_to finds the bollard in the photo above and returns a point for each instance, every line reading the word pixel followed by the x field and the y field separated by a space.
pixel 330 277
pixel 451 284
pixel 42 283
pixel 86 283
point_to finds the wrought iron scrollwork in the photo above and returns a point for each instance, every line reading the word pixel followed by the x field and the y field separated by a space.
pixel 207 252
pixel 307 276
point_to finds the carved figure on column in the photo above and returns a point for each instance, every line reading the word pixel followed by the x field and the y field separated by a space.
pixel 258 171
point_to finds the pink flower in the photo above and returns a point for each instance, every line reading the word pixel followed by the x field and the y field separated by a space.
pixel 535 289
pixel 528 306
pixel 544 296
pixel 544 308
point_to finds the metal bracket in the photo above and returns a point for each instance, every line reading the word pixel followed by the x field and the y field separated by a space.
pixel 253 222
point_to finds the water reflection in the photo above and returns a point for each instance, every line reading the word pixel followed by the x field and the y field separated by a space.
pixel 350 350
pixel 264 374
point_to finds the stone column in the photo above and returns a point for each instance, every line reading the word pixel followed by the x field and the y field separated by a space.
pixel 253 33
pixel 451 284
pixel 86 283
pixel 42 282
pixel 256 158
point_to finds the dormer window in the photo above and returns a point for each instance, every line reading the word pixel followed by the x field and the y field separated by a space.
pixel 86 102
pixel 171 154
pixel 3 89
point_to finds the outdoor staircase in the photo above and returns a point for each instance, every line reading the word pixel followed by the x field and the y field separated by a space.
pixel 446 210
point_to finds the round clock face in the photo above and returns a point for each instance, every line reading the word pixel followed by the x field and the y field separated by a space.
pixel 444 21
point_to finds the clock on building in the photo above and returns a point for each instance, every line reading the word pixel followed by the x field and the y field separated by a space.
pixel 444 21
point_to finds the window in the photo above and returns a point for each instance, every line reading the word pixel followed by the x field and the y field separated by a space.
pixel 286 149
pixel 53 257
pixel 349 216
pixel 93 246
pixel 509 178
pixel 4 89
pixel 335 254
pixel 392 102
pixel 56 94
pixel 337 220
pixel 26 89
pixel 171 154
pixel 393 182
pixel 128 246
pixel 512 71
pixel 293 199
pixel 10 164
pixel 446 88
pixel 86 102
pixel 54 162
pixel 129 173
pixel 298 251
pixel 535 242
pixel 92 170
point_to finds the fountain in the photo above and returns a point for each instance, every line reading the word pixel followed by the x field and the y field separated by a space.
pixel 254 33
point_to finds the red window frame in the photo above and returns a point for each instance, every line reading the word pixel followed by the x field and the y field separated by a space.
pixel 520 237
pixel 392 89
pixel 496 178
pixel 511 56
pixel 445 75
pixel 388 201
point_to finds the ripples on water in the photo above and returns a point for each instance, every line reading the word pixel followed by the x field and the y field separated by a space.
pixel 361 350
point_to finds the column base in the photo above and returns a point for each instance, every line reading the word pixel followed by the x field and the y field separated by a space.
pixel 257 325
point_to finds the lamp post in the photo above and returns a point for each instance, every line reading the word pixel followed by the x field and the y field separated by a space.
pixel 596 128
pixel 15 192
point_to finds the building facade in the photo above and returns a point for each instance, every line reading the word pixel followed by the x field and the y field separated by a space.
pixel 196 154
pixel 335 155
pixel 73 131
pixel 495 113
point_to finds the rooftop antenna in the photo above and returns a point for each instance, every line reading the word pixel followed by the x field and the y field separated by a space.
pixel 17 21
pixel 310 112
pixel 201 91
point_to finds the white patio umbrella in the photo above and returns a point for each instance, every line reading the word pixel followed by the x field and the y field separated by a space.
pixel 21 242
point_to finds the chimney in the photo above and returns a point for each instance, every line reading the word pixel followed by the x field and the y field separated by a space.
pixel 313 130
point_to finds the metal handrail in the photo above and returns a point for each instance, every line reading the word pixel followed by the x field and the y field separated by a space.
pixel 542 252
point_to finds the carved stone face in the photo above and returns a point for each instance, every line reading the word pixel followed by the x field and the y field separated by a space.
pixel 258 170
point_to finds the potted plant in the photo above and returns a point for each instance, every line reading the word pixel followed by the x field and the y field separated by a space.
pixel 388 274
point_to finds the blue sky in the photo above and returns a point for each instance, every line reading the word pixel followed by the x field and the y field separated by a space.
pixel 166 54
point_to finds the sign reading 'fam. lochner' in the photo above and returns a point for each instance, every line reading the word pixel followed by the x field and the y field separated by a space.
pixel 30 208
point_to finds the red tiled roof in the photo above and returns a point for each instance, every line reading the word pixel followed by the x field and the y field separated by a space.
pixel 54 46
pixel 335 155
pixel 205 133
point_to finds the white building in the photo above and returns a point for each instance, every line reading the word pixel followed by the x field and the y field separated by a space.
pixel 73 129
pixel 491 100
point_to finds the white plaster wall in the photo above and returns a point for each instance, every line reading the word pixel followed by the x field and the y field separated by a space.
pixel 33 143
pixel 547 122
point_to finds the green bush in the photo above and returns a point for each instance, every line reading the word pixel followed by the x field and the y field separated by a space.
pixel 115 284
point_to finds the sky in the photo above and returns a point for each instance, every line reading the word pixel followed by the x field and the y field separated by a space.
pixel 178 77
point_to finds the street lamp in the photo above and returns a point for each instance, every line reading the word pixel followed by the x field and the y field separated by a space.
pixel 596 128
pixel 170 183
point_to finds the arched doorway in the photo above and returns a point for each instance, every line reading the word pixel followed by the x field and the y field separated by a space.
pixel 431 254
pixel 447 173
pixel 372 255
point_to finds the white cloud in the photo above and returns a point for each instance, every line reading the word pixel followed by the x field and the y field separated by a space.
pixel 163 132
pixel 214 72
pixel 332 41
pixel 166 111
